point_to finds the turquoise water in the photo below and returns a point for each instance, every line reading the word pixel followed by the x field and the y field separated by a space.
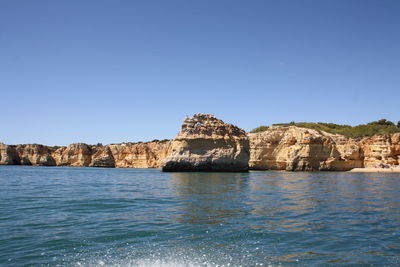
pixel 125 217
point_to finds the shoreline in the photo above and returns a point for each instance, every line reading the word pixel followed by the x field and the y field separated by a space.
pixel 355 170
pixel 389 170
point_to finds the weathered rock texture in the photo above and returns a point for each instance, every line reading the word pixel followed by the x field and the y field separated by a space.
pixel 126 155
pixel 34 154
pixel 300 149
pixel 8 155
pixel 206 143
pixel 381 151
pixel 142 155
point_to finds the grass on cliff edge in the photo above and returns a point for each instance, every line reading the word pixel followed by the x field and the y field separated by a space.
pixel 373 128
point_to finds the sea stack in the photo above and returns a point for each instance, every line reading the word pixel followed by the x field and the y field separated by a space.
pixel 206 143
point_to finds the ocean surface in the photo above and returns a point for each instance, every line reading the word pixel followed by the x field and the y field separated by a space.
pixel 55 216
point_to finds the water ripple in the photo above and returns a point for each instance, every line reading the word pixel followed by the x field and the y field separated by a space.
pixel 125 217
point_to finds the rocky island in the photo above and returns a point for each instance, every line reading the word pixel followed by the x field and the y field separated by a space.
pixel 206 143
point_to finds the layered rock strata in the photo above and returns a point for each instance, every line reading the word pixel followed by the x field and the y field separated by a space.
pixel 299 149
pixel 206 143
pixel 34 154
pixel 8 155
pixel 141 155
pixel 126 155
pixel 381 151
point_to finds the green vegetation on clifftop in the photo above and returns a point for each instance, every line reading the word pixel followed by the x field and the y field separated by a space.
pixel 373 128
pixel 259 129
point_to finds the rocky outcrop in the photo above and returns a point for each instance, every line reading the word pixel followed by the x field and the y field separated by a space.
pixel 102 157
pixel 140 155
pixel 35 155
pixel 300 149
pixel 206 143
pixel 8 155
pixel 381 151
pixel 125 155
pixel 75 155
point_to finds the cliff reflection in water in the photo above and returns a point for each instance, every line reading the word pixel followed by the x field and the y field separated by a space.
pixel 120 217
pixel 281 201
pixel 210 198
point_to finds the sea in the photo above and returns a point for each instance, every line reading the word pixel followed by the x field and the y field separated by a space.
pixel 66 216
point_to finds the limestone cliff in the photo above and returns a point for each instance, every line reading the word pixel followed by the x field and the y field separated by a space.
pixel 34 154
pixel 140 155
pixel 8 155
pixel 75 155
pixel 102 157
pixel 381 150
pixel 206 143
pixel 300 149
pixel 125 155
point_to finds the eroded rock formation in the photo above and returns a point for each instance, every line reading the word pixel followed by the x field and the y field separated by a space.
pixel 125 155
pixel 206 143
pixel 34 154
pixel 8 155
pixel 381 150
pixel 140 155
pixel 300 149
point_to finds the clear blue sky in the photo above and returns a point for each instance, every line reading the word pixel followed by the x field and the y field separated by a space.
pixel 115 71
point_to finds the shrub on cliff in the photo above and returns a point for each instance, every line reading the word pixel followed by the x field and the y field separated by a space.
pixel 373 128
pixel 259 129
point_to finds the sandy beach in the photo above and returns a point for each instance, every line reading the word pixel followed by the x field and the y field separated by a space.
pixel 375 170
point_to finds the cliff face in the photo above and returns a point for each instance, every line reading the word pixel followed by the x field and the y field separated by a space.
pixel 75 155
pixel 206 143
pixel 34 154
pixel 299 149
pixel 130 155
pixel 381 151
pixel 8 155
pixel 142 155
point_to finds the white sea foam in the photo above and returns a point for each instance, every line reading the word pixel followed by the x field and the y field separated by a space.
pixel 165 260
pixel 159 263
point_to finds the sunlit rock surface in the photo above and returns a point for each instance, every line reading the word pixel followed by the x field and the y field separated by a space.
pixel 298 149
pixel 8 155
pixel 206 143
pixel 140 155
